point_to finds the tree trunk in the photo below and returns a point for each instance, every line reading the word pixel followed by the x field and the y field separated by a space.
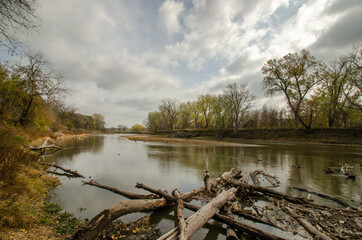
pixel 182 225
pixel 104 218
pixel 198 219
pixel 118 191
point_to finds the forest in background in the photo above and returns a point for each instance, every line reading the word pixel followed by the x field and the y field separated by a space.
pixel 317 95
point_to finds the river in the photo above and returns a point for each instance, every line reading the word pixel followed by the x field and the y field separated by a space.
pixel 116 161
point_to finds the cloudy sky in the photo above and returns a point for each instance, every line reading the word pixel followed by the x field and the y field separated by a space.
pixel 120 58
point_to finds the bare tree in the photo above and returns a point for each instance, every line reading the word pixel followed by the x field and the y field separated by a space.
pixel 16 16
pixel 238 99
pixel 168 108
pixel 353 91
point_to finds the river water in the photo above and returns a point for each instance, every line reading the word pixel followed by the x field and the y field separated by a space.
pixel 116 161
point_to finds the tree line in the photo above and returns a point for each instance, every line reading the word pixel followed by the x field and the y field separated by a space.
pixel 316 95
pixel 31 94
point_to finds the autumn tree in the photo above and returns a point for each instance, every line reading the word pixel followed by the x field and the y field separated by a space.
pixel 294 75
pixel 16 16
pixel 238 101
pixel 41 82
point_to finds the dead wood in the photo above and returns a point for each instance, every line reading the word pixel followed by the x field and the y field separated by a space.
pixel 120 192
pixel 61 174
pixel 224 219
pixel 254 177
pixel 244 214
pixel 180 215
pixel 104 218
pixel 269 192
pixel 198 219
pixel 76 173
pixel 230 233
pixel 207 181
pixel 233 173
pixel 306 225
pixel 340 202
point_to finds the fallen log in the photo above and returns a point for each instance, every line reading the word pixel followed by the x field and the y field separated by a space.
pixel 306 225
pixel 254 177
pixel 250 217
pixel 340 202
pixel 61 174
pixel 76 173
pixel 224 219
pixel 269 192
pixel 118 191
pixel 202 216
pixel 233 173
pixel 182 225
pixel 104 218
pixel 230 233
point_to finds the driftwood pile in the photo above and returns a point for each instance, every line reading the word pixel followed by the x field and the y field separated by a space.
pixel 344 169
pixel 233 201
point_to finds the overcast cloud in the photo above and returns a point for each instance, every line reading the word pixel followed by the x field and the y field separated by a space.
pixel 120 58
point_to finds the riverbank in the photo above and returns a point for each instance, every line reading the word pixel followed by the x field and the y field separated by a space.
pixel 319 135
pixel 25 210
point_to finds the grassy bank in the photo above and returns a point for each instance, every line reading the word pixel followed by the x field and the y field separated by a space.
pixel 318 135
pixel 25 212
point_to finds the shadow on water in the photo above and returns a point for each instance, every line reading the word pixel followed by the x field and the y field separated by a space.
pixel 120 163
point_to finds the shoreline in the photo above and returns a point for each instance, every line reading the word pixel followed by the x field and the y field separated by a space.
pixel 227 141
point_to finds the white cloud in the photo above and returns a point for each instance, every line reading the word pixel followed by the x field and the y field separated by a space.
pixel 169 13
pixel 120 63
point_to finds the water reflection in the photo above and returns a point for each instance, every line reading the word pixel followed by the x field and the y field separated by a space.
pixel 118 162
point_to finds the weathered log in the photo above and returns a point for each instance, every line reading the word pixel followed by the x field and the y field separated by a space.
pixel 207 181
pixel 224 219
pixel 202 216
pixel 44 147
pixel 311 229
pixel 269 192
pixel 254 177
pixel 182 226
pixel 120 192
pixel 250 217
pixel 227 175
pixel 104 218
pixel 76 173
pixel 61 174
pixel 340 202
pixel 230 233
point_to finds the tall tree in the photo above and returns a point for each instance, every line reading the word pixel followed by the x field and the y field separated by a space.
pixel 168 108
pixel 238 99
pixel 353 91
pixel 16 16
pixel 41 81
pixel 294 75
pixel 204 103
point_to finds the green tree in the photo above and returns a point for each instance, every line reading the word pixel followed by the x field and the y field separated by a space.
pixel 204 103
pixel 294 75
pixel 184 115
pixel 137 128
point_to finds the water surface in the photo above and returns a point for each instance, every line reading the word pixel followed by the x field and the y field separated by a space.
pixel 116 161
